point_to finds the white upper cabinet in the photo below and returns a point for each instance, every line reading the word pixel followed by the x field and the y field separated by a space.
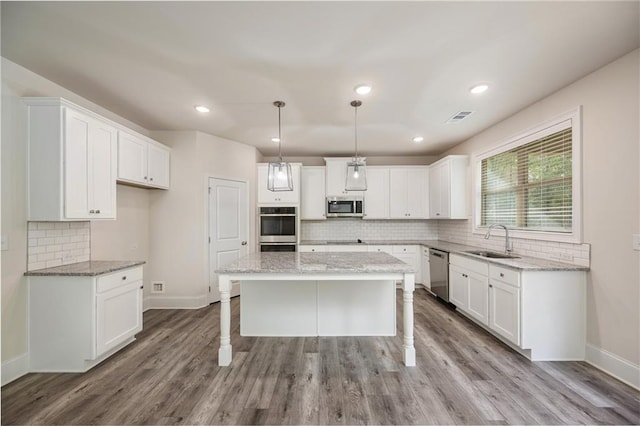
pixel 72 162
pixel 312 196
pixel 278 197
pixel 337 178
pixel 142 162
pixel 448 188
pixel 376 197
pixel 408 192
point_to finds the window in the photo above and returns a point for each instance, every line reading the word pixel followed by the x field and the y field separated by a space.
pixel 531 183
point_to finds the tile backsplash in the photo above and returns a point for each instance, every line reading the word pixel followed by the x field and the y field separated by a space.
pixel 352 229
pixel 57 243
pixel 460 231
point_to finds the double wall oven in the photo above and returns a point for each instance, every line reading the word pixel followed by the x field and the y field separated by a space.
pixel 278 229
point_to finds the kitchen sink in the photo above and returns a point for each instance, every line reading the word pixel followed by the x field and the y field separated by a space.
pixel 492 254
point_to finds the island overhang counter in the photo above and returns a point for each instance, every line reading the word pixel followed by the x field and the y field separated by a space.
pixel 317 294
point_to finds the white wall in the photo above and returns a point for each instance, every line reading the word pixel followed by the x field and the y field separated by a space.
pixel 178 219
pixel 611 195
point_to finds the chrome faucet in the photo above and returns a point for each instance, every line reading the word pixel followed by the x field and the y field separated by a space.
pixel 508 246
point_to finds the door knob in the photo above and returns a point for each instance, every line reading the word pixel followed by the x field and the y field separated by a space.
pixel 244 243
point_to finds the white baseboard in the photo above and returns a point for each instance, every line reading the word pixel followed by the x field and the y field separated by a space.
pixel 613 365
pixel 184 302
pixel 15 368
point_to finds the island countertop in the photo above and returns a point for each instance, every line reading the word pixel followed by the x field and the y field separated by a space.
pixel 312 263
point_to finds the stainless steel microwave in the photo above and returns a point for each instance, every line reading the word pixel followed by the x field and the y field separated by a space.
pixel 345 206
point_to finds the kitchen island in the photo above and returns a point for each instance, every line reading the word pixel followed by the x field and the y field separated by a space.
pixel 317 294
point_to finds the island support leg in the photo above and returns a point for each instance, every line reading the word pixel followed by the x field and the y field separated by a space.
pixel 409 351
pixel 224 353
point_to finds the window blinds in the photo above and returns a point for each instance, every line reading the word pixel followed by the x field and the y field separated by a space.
pixel 530 187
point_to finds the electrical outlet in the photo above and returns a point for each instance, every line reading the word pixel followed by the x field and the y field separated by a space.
pixel 157 287
pixel 566 256
pixel 636 242
pixel 4 244
pixel 134 247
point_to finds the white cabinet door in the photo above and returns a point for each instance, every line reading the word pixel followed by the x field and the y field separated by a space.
pixel 90 168
pixel 376 198
pixel 337 178
pixel 478 297
pixel 439 190
pixel 77 137
pixel 119 316
pixel 418 190
pixel 426 268
pixel 132 158
pixel 278 197
pixel 504 305
pixel 408 193
pixel 312 193
pixel 459 288
pixel 102 172
pixel 158 166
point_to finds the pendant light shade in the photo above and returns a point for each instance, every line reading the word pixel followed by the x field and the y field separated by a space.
pixel 356 168
pixel 279 176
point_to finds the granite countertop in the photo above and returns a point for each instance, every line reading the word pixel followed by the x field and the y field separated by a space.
pixel 311 263
pixel 521 263
pixel 86 269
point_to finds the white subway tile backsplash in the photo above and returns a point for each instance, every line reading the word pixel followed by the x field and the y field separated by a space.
pixel 352 229
pixel 460 231
pixel 57 243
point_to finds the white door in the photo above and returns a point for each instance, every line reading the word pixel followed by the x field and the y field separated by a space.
pixel 417 196
pixel 132 158
pixel 76 165
pixel 102 171
pixel 312 198
pixel 119 316
pixel 504 310
pixel 376 199
pixel 398 194
pixel 228 224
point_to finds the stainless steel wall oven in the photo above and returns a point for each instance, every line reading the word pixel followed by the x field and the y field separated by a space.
pixel 278 229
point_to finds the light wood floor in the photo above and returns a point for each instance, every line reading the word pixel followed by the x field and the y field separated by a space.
pixel 464 376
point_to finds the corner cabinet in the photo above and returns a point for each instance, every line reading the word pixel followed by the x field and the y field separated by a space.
pixel 408 192
pixel 72 167
pixel 278 197
pixel 75 322
pixel 312 194
pixel 448 188
pixel 142 161
pixel 540 313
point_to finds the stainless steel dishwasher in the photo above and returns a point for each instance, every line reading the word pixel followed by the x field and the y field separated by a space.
pixel 439 262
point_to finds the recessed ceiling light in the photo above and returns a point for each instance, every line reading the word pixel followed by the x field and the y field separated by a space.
pixel 276 140
pixel 480 88
pixel 362 89
pixel 417 139
pixel 201 108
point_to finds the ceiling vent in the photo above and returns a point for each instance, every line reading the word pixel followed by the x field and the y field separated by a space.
pixel 458 117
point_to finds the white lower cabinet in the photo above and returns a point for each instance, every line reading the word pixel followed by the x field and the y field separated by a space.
pixel 504 300
pixel 426 268
pixel 75 322
pixel 410 255
pixel 540 313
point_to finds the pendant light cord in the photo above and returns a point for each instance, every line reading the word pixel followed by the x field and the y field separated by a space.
pixel 355 104
pixel 279 134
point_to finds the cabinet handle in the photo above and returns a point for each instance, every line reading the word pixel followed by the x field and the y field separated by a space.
pixel 465 275
pixel 124 277
pixel 244 243
pixel 151 179
pixel 97 211
pixel 501 275
pixel 145 178
pixel 92 211
pixel 437 214
pixel 491 285
pixel 141 287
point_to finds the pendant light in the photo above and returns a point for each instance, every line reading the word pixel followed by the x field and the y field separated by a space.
pixel 280 177
pixel 356 168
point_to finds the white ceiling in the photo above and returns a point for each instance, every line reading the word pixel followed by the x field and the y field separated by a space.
pixel 151 62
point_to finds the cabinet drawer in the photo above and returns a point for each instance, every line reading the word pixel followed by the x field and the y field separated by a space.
pixel 113 280
pixel 307 249
pixel 381 249
pixel 476 266
pixel 506 275
pixel 404 249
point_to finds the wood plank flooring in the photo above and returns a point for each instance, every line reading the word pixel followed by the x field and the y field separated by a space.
pixel 463 376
